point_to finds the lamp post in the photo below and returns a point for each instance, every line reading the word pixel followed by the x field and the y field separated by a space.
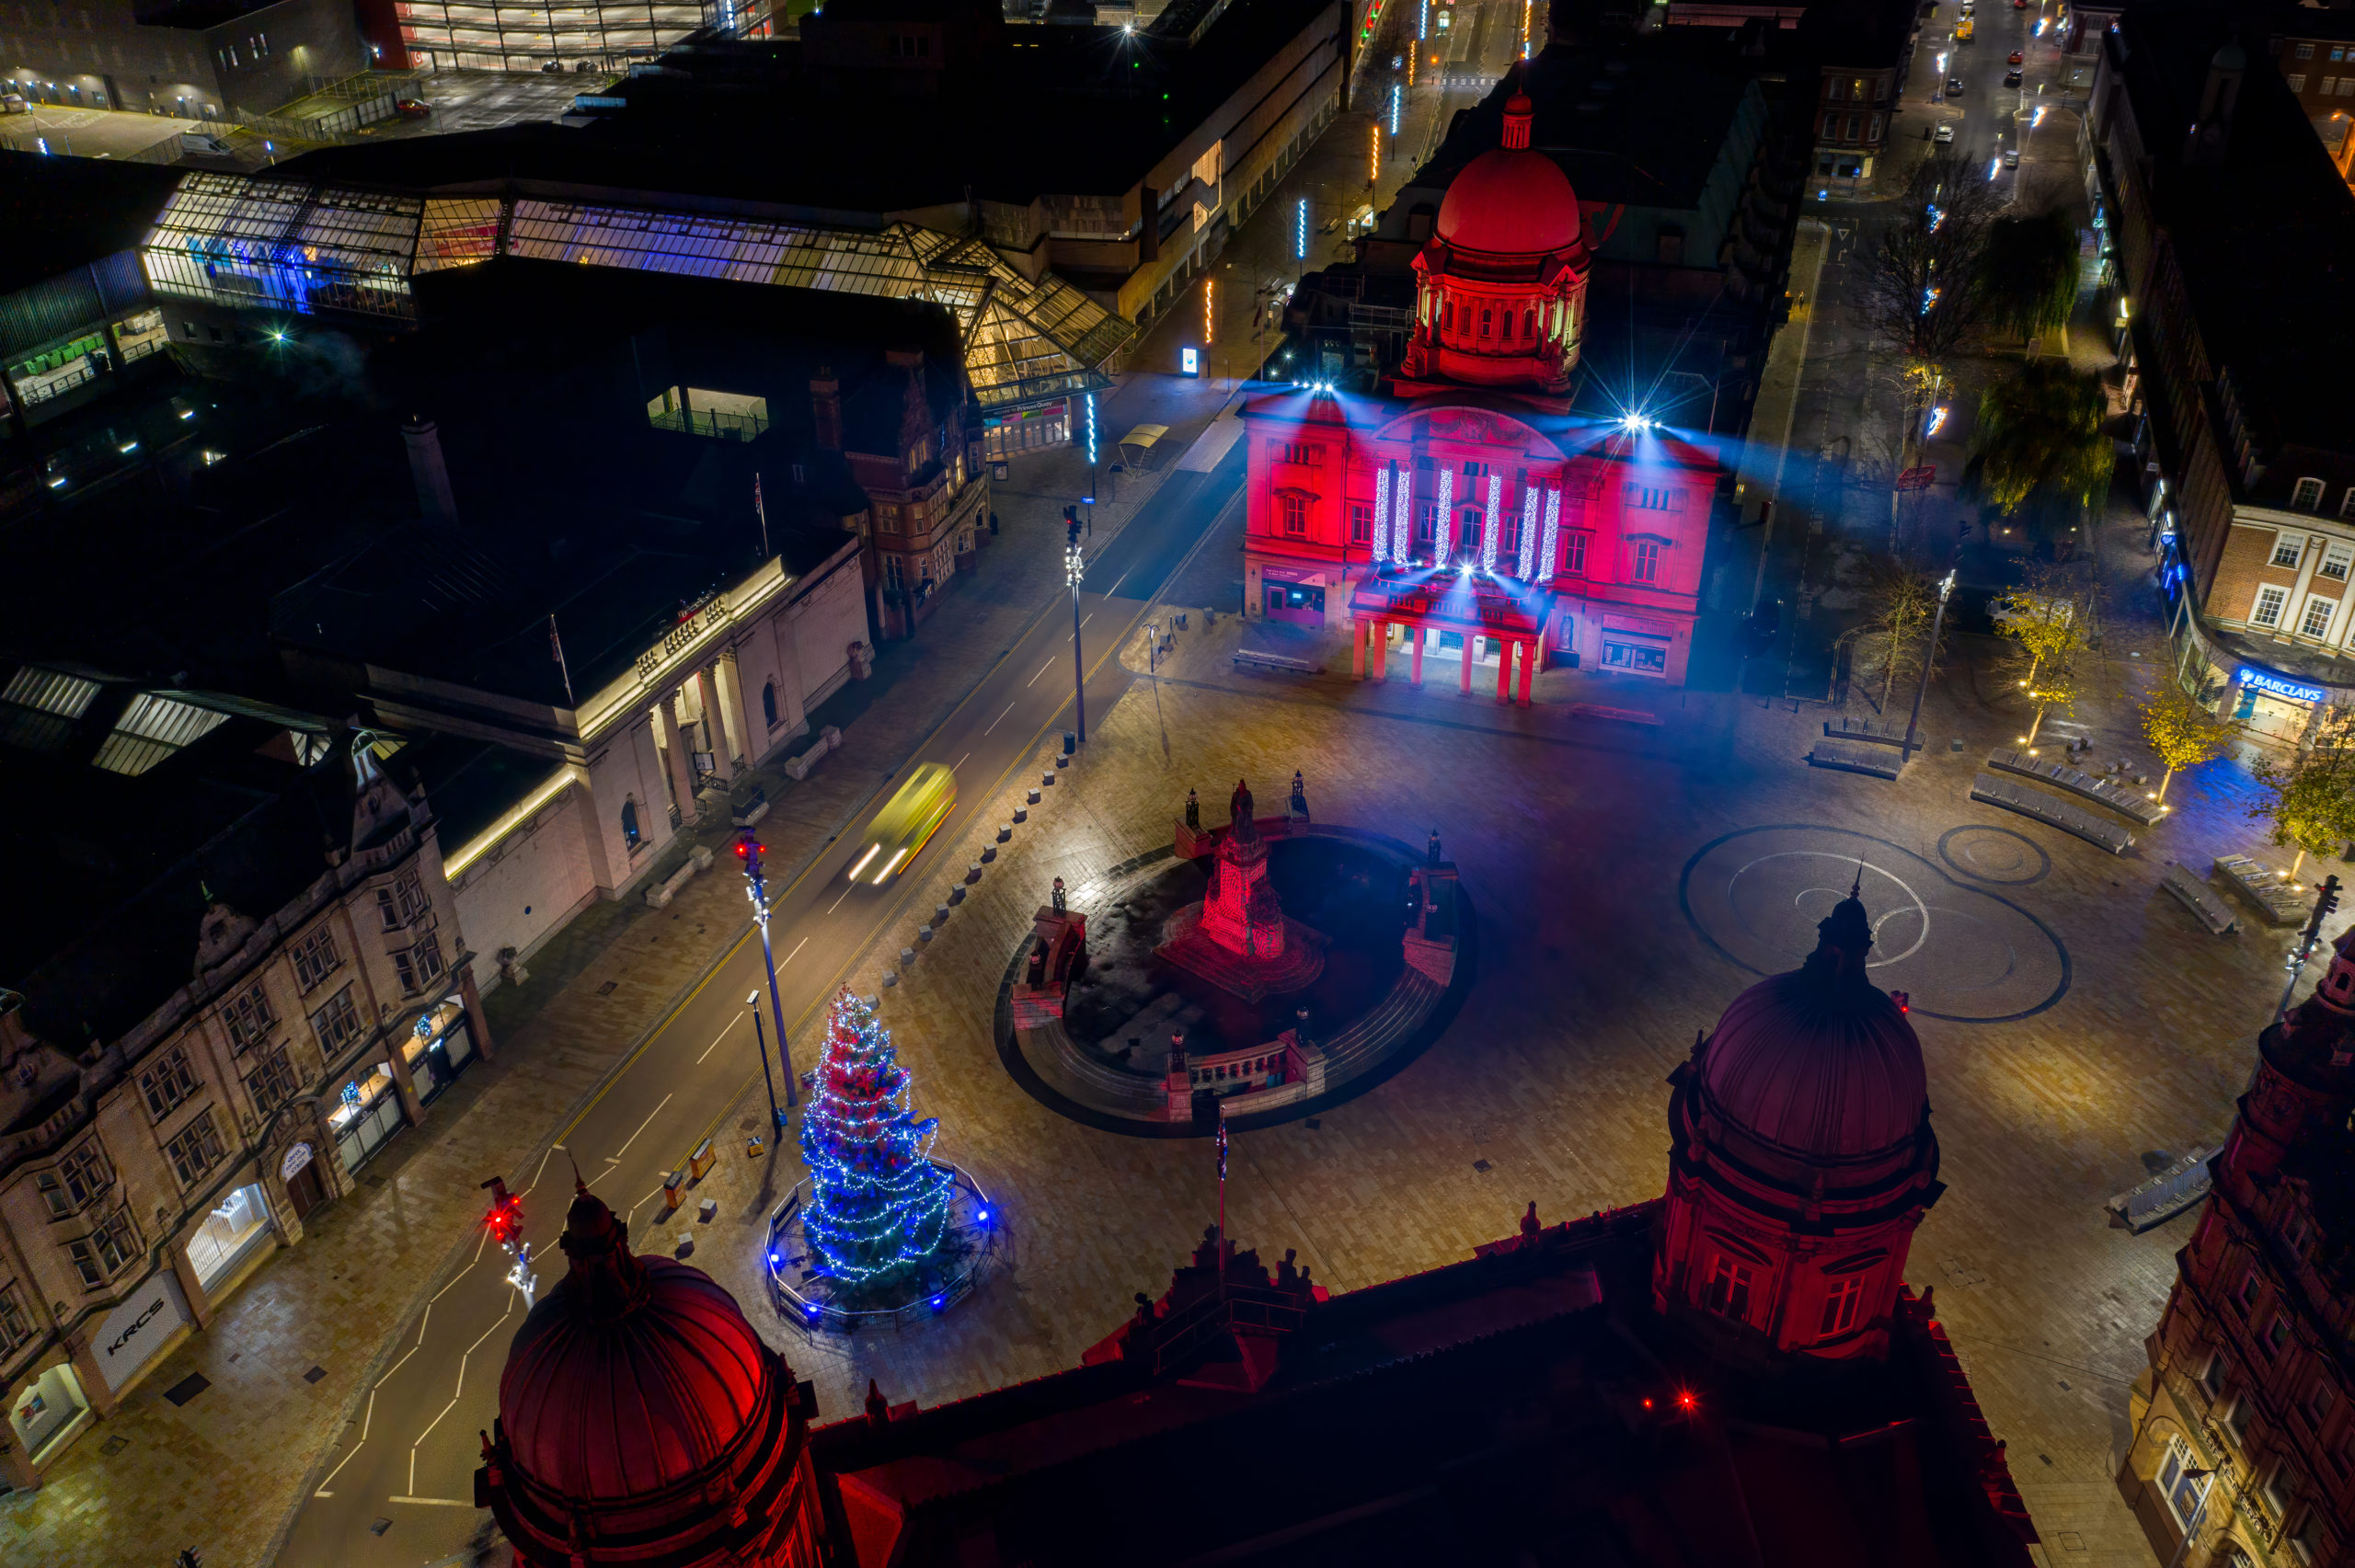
pixel 1929 655
pixel 760 1038
pixel 748 850
pixel 1075 569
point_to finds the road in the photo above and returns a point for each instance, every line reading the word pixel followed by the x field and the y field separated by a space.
pixel 412 1456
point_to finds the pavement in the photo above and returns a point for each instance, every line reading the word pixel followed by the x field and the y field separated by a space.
pixel 96 132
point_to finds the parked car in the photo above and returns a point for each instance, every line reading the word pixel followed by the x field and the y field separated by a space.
pixel 2016 58
pixel 1954 84
pixel 1945 135
pixel 412 108
pixel 2011 158
pixel 14 103
pixel 2010 79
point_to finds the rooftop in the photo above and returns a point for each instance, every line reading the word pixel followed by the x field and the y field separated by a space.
pixel 63 212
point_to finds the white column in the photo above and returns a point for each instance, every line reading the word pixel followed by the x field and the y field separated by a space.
pixel 714 725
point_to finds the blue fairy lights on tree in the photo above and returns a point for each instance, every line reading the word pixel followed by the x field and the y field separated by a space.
pixel 879 1204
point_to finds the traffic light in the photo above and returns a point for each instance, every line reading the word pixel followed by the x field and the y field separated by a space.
pixel 505 1220
pixel 2326 900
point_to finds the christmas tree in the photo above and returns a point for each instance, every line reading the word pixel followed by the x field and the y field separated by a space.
pixel 877 1203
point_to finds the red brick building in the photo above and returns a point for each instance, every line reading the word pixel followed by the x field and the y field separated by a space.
pixel 1462 508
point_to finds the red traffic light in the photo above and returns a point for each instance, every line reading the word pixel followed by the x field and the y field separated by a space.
pixel 505 1220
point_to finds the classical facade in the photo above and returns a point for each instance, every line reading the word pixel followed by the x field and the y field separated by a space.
pixel 147 1171
pixel 1462 508
pixel 2244 1450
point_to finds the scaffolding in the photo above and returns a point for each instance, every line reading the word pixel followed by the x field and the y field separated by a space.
pixel 259 242
pixel 507 36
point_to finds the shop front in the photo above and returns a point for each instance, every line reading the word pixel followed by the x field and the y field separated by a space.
pixel 438 1048
pixel 298 1170
pixel 2274 706
pixel 140 1330
pixel 1295 594
pixel 48 1412
pixel 369 1115
pixel 1026 430
pixel 237 1228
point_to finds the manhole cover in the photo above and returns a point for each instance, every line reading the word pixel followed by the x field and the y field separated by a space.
pixel 112 1446
pixel 372 1179
pixel 315 1374
pixel 607 989
pixel 188 1387
pixel 380 1526
pixel 1481 1165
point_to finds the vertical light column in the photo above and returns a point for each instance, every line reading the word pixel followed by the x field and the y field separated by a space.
pixel 1402 537
pixel 1443 532
pixel 1488 523
pixel 1522 567
pixel 1382 515
pixel 1550 553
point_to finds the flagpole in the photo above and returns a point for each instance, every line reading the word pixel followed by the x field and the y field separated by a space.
pixel 555 641
pixel 761 507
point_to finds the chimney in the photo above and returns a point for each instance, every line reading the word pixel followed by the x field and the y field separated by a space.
pixel 432 475
pixel 826 409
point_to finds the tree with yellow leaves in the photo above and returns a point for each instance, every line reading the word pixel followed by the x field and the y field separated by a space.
pixel 2183 733
pixel 2310 799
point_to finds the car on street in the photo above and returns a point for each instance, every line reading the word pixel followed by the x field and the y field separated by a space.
pixel 2010 79
pixel 1954 84
pixel 412 108
pixel 2015 57
pixel 906 824
pixel 1964 28
pixel 1945 135
pixel 2011 158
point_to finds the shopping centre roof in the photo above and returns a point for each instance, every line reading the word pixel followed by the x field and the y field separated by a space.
pixel 254 242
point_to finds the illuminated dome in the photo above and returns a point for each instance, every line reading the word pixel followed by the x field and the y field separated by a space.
pixel 1513 199
pixel 638 1406
pixel 1820 1062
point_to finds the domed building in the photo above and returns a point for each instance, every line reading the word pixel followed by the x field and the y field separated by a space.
pixel 1457 502
pixel 1801 1158
pixel 642 1421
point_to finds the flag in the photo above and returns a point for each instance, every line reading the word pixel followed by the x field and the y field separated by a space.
pixel 1222 1149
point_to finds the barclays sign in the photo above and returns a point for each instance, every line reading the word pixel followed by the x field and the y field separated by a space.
pixel 2275 685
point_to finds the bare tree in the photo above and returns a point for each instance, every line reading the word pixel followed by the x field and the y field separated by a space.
pixel 1892 640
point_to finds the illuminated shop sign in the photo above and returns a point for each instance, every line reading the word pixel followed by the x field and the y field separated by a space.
pixel 2265 680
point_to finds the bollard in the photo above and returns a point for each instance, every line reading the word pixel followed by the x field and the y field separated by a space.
pixel 907 956
pixel 1046 780
pixel 890 977
pixel 924 933
pixel 939 915
pixel 973 872
pixel 956 894
pixel 1004 831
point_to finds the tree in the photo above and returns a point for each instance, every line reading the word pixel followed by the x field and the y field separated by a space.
pixel 2183 733
pixel 1899 606
pixel 2310 799
pixel 2041 428
pixel 2029 273
pixel 878 1207
pixel 2049 622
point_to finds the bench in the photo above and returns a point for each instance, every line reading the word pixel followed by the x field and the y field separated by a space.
pixel 2198 897
pixel 1874 730
pixel 1258 661
pixel 1850 758
pixel 2264 887
pixel 2051 811
pixel 2060 775
pixel 1618 716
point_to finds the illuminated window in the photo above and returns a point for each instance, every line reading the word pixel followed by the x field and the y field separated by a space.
pixel 2269 605
pixel 1840 1306
pixel 2178 1484
pixel 1730 1288
pixel 2297 81
pixel 2307 496
pixel 2305 52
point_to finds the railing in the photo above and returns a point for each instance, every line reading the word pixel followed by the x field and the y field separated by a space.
pixel 806 1301
pixel 700 422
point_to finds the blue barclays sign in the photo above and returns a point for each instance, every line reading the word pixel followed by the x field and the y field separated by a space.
pixel 2265 680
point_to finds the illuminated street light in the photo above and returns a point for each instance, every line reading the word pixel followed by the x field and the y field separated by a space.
pixel 1074 570
pixel 1639 423
pixel 1300 230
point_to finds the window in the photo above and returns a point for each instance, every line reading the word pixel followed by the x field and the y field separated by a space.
pixel 2319 1401
pixel 1295 451
pixel 1730 1288
pixel 76 1180
pixel 2279 1487
pixel 629 821
pixel 337 1023
pixel 197 1150
pixel 100 1256
pixel 1646 561
pixel 1361 524
pixel 2247 1294
pixel 2307 495
pixel 2277 1333
pixel 2212 1378
pixel 1487 321
pixel 1574 551
pixel 1528 324
pixel 1651 497
pixel 2269 603
pixel 768 702
pixel 248 1017
pixel 2286 551
pixel 419 964
pixel 316 958
pixel 2335 561
pixel 168 1083
pixel 1508 538
pixel 2318 620
pixel 2305 52
pixel 2297 81
pixel 2346 503
pixel 1447 316
pixel 1294 510
pixel 272 1081
pixel 2306 1540
pixel 1839 1307
pixel 1426 526
pixel 16 1323
pixel 2237 1421
pixel 401 902
pixel 2182 1489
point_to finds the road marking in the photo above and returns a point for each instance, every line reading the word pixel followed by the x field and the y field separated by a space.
pixel 461 1391
pixel 367 1419
pixel 963 760
pixel 641 1203
pixel 615 1159
pixel 434 1502
pixel 996 722
pixel 1034 679
pixel 838 899
pixel 717 1038
pixel 543 1170
pixel 796 947
pixel 1116 583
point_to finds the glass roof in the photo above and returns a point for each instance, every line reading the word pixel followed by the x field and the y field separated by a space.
pixel 1025 341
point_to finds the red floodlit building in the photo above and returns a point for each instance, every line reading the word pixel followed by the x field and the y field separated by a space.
pixel 1462 510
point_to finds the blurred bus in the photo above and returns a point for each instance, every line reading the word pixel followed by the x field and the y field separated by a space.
pixel 900 829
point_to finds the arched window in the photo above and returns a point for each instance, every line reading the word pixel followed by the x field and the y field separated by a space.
pixel 1528 324
pixel 768 702
pixel 629 824
pixel 1447 316
pixel 1487 322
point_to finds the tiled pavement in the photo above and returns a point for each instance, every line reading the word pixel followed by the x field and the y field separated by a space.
pixel 1573 839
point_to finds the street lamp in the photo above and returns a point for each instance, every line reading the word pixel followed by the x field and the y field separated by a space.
pixel 1946 587
pixel 748 850
pixel 1075 568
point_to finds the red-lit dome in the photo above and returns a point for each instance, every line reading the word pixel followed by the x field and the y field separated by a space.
pixel 1820 1062
pixel 1511 201
pixel 639 1407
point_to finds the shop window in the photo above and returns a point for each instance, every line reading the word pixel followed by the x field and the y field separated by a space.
pixel 16 1323
pixel 74 1181
pixel 168 1083
pixel 2307 495
pixel 2317 618
pixel 419 964
pixel 229 1234
pixel 2269 603
pixel 1294 510
pixel 316 958
pixel 1574 551
pixel 768 712
pixel 1638 658
pixel 249 1018
pixel 2178 1485
pixel 272 1081
pixel 197 1150
pixel 629 819
pixel 2286 551
pixel 1840 1306
pixel 1730 1288
pixel 1646 561
pixel 100 1256
pixel 337 1023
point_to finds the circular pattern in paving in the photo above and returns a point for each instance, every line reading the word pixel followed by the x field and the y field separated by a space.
pixel 1961 953
pixel 1995 855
